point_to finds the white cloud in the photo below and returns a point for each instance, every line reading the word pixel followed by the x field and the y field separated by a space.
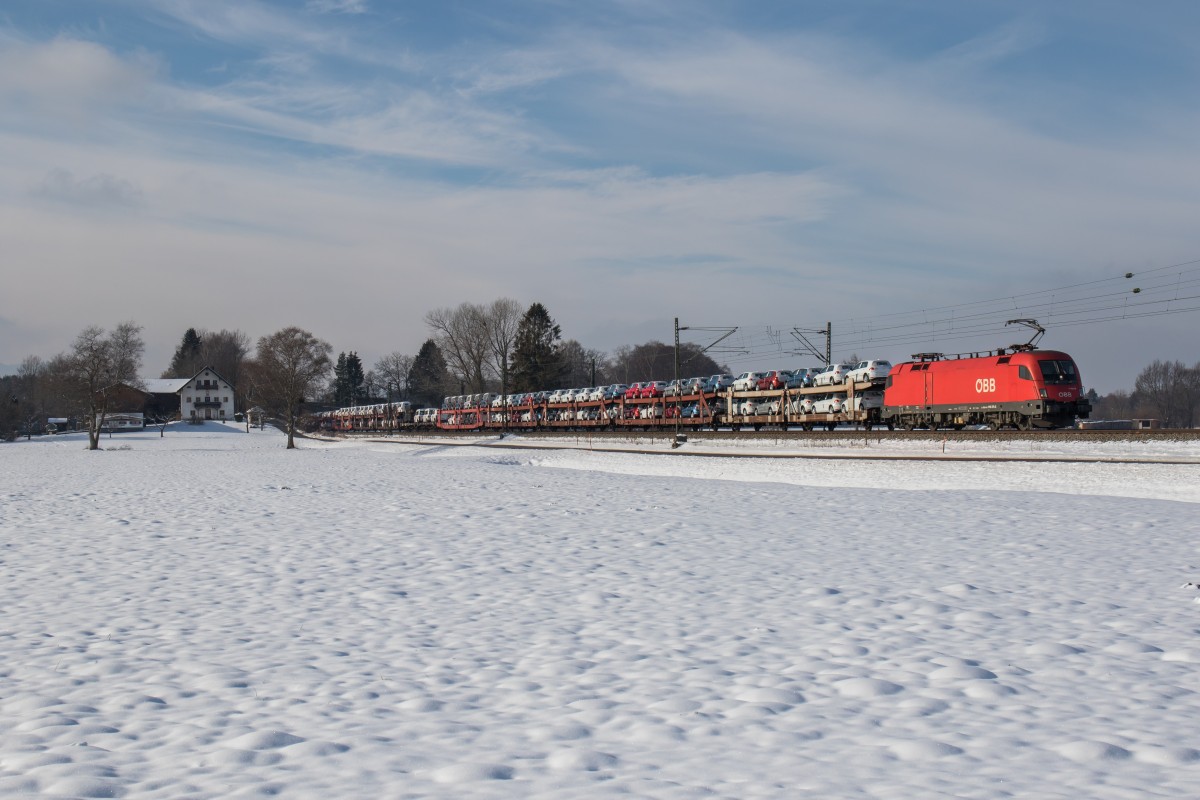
pixel 409 123
pixel 255 24
pixel 337 6
pixel 68 78
pixel 992 46
pixel 100 191
pixel 928 165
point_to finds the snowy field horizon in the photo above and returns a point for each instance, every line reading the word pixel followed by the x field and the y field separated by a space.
pixel 206 614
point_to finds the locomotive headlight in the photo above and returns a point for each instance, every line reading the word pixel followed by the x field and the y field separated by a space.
pixel 1043 394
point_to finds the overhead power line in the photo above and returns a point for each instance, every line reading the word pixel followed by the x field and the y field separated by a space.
pixel 1161 291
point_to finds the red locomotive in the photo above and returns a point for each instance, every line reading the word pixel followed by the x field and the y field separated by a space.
pixel 1018 386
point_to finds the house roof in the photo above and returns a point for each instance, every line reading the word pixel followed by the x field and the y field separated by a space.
pixel 164 385
pixel 172 385
pixel 213 371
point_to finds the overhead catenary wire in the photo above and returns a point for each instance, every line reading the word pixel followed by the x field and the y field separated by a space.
pixel 1156 292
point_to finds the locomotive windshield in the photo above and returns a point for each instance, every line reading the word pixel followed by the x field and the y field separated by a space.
pixel 1059 372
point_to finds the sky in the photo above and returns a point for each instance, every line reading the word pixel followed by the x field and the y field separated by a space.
pixel 350 165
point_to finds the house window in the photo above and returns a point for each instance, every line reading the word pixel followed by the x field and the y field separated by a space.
pixel 226 400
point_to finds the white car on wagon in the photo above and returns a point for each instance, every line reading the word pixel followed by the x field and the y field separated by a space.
pixel 834 373
pixel 875 370
pixel 747 381
pixel 829 404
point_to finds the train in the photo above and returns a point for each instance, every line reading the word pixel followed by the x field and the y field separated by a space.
pixel 1018 387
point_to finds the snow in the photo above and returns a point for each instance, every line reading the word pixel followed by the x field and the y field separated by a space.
pixel 164 385
pixel 206 614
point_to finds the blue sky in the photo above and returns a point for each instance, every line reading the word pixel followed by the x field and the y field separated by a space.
pixel 349 165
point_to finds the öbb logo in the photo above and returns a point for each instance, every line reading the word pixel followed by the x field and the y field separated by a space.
pixel 983 385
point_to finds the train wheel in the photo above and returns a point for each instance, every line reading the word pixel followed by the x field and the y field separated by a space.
pixel 909 425
pixel 831 426
pixel 1024 423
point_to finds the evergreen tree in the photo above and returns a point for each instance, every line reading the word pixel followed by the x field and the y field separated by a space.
pixel 341 391
pixel 428 377
pixel 536 359
pixel 356 389
pixel 186 361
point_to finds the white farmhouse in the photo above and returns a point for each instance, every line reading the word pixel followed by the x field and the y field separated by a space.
pixel 206 395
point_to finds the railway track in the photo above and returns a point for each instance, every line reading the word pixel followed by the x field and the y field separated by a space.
pixel 837 445
pixel 847 435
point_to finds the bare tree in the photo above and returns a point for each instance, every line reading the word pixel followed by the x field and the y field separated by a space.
pixel 461 336
pixel 30 396
pixel 503 317
pixel 97 363
pixel 289 366
pixel 226 352
pixel 1157 387
pixel 576 363
pixel 9 408
pixel 372 387
pixel 163 420
pixel 1114 405
pixel 393 370
pixel 656 361
pixel 57 388
pixel 1189 395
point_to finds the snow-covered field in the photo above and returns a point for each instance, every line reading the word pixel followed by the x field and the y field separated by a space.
pixel 209 615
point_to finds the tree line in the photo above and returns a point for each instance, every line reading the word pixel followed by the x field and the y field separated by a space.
pixel 472 348
pixel 1168 391
pixel 86 381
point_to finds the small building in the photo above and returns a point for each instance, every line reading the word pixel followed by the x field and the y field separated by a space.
pixel 1120 424
pixel 256 417
pixel 122 421
pixel 125 408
